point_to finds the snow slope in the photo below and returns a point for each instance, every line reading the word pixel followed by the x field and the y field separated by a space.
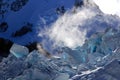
pixel 32 12
pixel 42 14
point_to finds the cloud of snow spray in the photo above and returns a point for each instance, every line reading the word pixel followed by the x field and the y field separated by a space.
pixel 109 6
pixel 67 30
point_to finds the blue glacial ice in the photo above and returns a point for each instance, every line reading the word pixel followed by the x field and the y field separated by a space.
pixel 81 63
pixel 19 51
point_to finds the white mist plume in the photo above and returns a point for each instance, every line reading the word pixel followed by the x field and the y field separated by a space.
pixel 67 31
pixel 109 6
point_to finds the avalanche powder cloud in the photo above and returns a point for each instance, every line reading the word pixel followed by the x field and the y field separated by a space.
pixel 67 31
pixel 109 6
pixel 72 28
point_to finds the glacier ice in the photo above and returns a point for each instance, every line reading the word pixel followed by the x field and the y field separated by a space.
pixel 110 71
pixel 76 54
pixel 19 51
pixel 62 76
pixel 81 63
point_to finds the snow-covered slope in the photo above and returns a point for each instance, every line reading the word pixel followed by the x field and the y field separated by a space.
pixel 32 12
pixel 40 14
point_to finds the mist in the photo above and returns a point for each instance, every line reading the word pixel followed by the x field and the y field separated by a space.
pixel 76 25
pixel 67 30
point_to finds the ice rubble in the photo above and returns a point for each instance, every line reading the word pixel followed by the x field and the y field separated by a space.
pixel 110 71
pixel 100 51
pixel 19 51
pixel 34 66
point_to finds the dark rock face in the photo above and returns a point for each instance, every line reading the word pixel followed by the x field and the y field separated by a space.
pixel 24 30
pixel 60 10
pixel 18 4
pixel 3 26
pixel 32 46
pixel 5 46
pixel 78 3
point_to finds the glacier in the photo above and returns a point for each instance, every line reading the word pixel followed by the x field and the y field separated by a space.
pixel 86 64
pixel 83 42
